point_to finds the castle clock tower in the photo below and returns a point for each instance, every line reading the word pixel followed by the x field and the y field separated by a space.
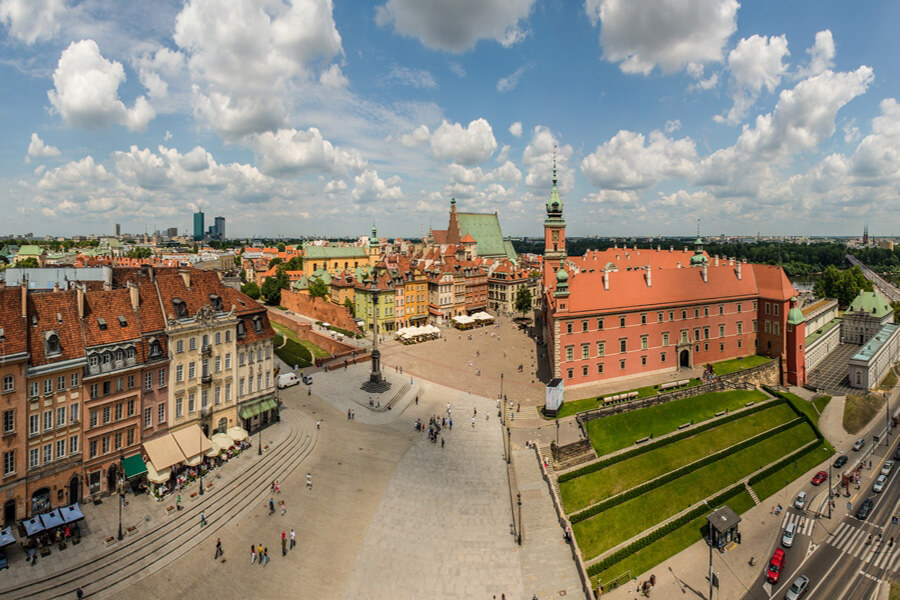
pixel 554 234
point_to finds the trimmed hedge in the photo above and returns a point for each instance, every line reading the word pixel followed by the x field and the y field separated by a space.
pixel 673 475
pixel 666 441
pixel 803 414
pixel 782 463
pixel 666 529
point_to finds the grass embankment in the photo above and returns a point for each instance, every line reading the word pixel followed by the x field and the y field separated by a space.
pixel 895 591
pixel 314 350
pixel 821 402
pixel 668 545
pixel 292 353
pixel 859 410
pixel 612 527
pixel 888 382
pixel 738 364
pixel 619 431
pixel 782 477
pixel 592 488
pixel 573 407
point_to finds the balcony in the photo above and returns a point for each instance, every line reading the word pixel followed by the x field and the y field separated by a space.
pixel 206 379
pixel 206 350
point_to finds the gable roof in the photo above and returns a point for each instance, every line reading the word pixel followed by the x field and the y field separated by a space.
pixel 772 282
pixel 871 303
pixel 333 252
pixel 14 325
pixel 54 311
pixel 485 228
pixel 109 305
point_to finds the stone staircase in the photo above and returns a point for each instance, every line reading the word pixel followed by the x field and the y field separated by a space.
pixel 394 399
pixel 547 457
pixel 574 454
pixel 751 492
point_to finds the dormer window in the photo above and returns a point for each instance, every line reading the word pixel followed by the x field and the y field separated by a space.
pixel 94 362
pixel 122 321
pixel 101 323
pixel 180 308
pixel 129 354
pixel 120 356
pixel 257 324
pixel 216 302
pixel 51 341
pixel 155 348
pixel 241 329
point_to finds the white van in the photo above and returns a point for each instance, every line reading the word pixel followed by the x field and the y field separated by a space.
pixel 287 380
pixel 787 540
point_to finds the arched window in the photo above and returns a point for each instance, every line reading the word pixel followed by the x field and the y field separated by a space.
pixel 9 384
pixel 53 346
pixel 241 329
pixel 120 355
pixel 129 354
pixel 107 358
pixel 155 348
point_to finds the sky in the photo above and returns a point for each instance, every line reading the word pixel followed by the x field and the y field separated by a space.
pixel 318 117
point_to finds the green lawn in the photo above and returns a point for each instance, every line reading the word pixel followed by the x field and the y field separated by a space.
pixel 669 545
pixel 589 489
pixel 619 431
pixel 292 353
pixel 859 410
pixel 777 480
pixel 803 406
pixel 570 408
pixel 736 364
pixel 611 527
pixel 821 402
pixel 314 350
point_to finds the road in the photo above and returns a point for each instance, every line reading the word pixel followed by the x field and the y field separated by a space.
pixel 891 292
pixel 845 558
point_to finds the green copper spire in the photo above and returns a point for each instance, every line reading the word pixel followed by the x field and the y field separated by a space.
pixel 698 258
pixel 554 204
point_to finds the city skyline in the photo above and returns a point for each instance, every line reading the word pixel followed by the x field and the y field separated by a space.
pixel 754 117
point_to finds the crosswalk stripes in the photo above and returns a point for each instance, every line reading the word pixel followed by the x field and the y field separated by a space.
pixel 803 525
pixel 854 541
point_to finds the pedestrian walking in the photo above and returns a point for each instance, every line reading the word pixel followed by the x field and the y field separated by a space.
pixel 442 441
pixel 282 508
pixel 252 554
pixel 451 423
pixel 473 422
pixel 271 506
pixel 283 546
pixel 318 424
pixel 259 551
pixel 265 559
pixel 309 481
pixel 277 487
pixel 178 502
pixel 202 519
pixel 417 400
pixel 293 541
pixel 79 593
pixel 218 548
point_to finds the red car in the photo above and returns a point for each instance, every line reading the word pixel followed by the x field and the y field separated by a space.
pixel 819 478
pixel 776 566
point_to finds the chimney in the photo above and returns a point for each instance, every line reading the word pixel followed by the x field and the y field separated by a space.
pixel 685 249
pixel 55 286
pixel 705 273
pixel 738 272
pixel 186 275
pixel 605 279
pixel 671 249
pixel 106 286
pixel 79 300
pixel 649 272
pixel 717 260
pixel 133 294
pixel 24 286
pixel 678 265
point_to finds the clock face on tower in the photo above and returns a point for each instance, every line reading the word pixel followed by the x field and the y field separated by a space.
pixel 554 235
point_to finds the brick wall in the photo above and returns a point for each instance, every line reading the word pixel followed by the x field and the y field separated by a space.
pixel 318 309
pixel 304 332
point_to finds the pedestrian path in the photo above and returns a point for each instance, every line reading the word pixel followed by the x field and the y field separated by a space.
pixel 802 524
pixel 855 541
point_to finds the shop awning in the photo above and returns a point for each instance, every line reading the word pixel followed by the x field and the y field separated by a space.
pixel 163 452
pixel 52 519
pixel 222 441
pixel 214 451
pixel 193 444
pixel 238 434
pixel 6 537
pixel 255 407
pixel 154 476
pixel 134 466
pixel 33 526
pixel 71 513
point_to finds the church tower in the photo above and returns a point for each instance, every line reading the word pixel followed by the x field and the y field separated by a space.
pixel 554 234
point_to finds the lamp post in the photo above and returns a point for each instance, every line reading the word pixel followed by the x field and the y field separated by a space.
pixel 557 433
pixel 199 469
pixel 519 501
pixel 508 446
pixel 887 419
pixel 121 497
pixel 500 400
pixel 259 446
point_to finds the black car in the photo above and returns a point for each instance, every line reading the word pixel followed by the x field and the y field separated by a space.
pixel 897 453
pixel 864 509
pixel 842 460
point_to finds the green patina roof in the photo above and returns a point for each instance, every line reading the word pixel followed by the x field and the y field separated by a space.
pixel 332 252
pixel 323 275
pixel 30 251
pixel 698 259
pixel 561 275
pixel 485 228
pixel 877 341
pixel 795 316
pixel 822 330
pixel 871 303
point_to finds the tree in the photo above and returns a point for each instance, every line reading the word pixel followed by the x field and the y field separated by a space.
pixel 318 289
pixel 274 261
pixel 140 252
pixel 842 284
pixel 271 290
pixel 28 263
pixel 348 304
pixel 523 300
pixel 251 289
pixel 295 264
pixel 280 246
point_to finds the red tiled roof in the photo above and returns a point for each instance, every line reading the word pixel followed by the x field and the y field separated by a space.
pixel 109 305
pixel 54 311
pixel 468 239
pixel 772 282
pixel 630 257
pixel 15 330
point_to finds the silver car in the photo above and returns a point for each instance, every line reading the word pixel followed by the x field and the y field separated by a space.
pixel 798 588
pixel 886 468
pixel 880 483
pixel 800 502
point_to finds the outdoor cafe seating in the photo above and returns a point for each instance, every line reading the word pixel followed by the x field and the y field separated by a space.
pixel 58 526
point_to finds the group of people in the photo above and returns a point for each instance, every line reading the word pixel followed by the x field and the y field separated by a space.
pixel 435 425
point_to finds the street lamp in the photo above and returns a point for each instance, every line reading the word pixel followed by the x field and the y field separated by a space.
pixel 259 446
pixel 121 497
pixel 887 419
pixel 557 432
pixel 508 446
pixel 519 501
pixel 500 400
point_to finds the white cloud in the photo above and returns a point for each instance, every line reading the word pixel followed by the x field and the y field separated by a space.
pixel 335 185
pixel 537 159
pixel 38 148
pixel 370 187
pixel 851 132
pixel 32 21
pixel 756 64
pixel 821 55
pixel 457 69
pixel 695 70
pixel 86 88
pixel 158 71
pixel 333 78
pixel 417 78
pixel 511 81
pixel 291 151
pixel 650 33
pixel 466 146
pixel 516 129
pixel 247 58
pixel 456 26
pixel 419 136
pixel 628 161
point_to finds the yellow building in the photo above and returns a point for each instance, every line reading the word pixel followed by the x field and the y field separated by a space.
pixel 415 289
